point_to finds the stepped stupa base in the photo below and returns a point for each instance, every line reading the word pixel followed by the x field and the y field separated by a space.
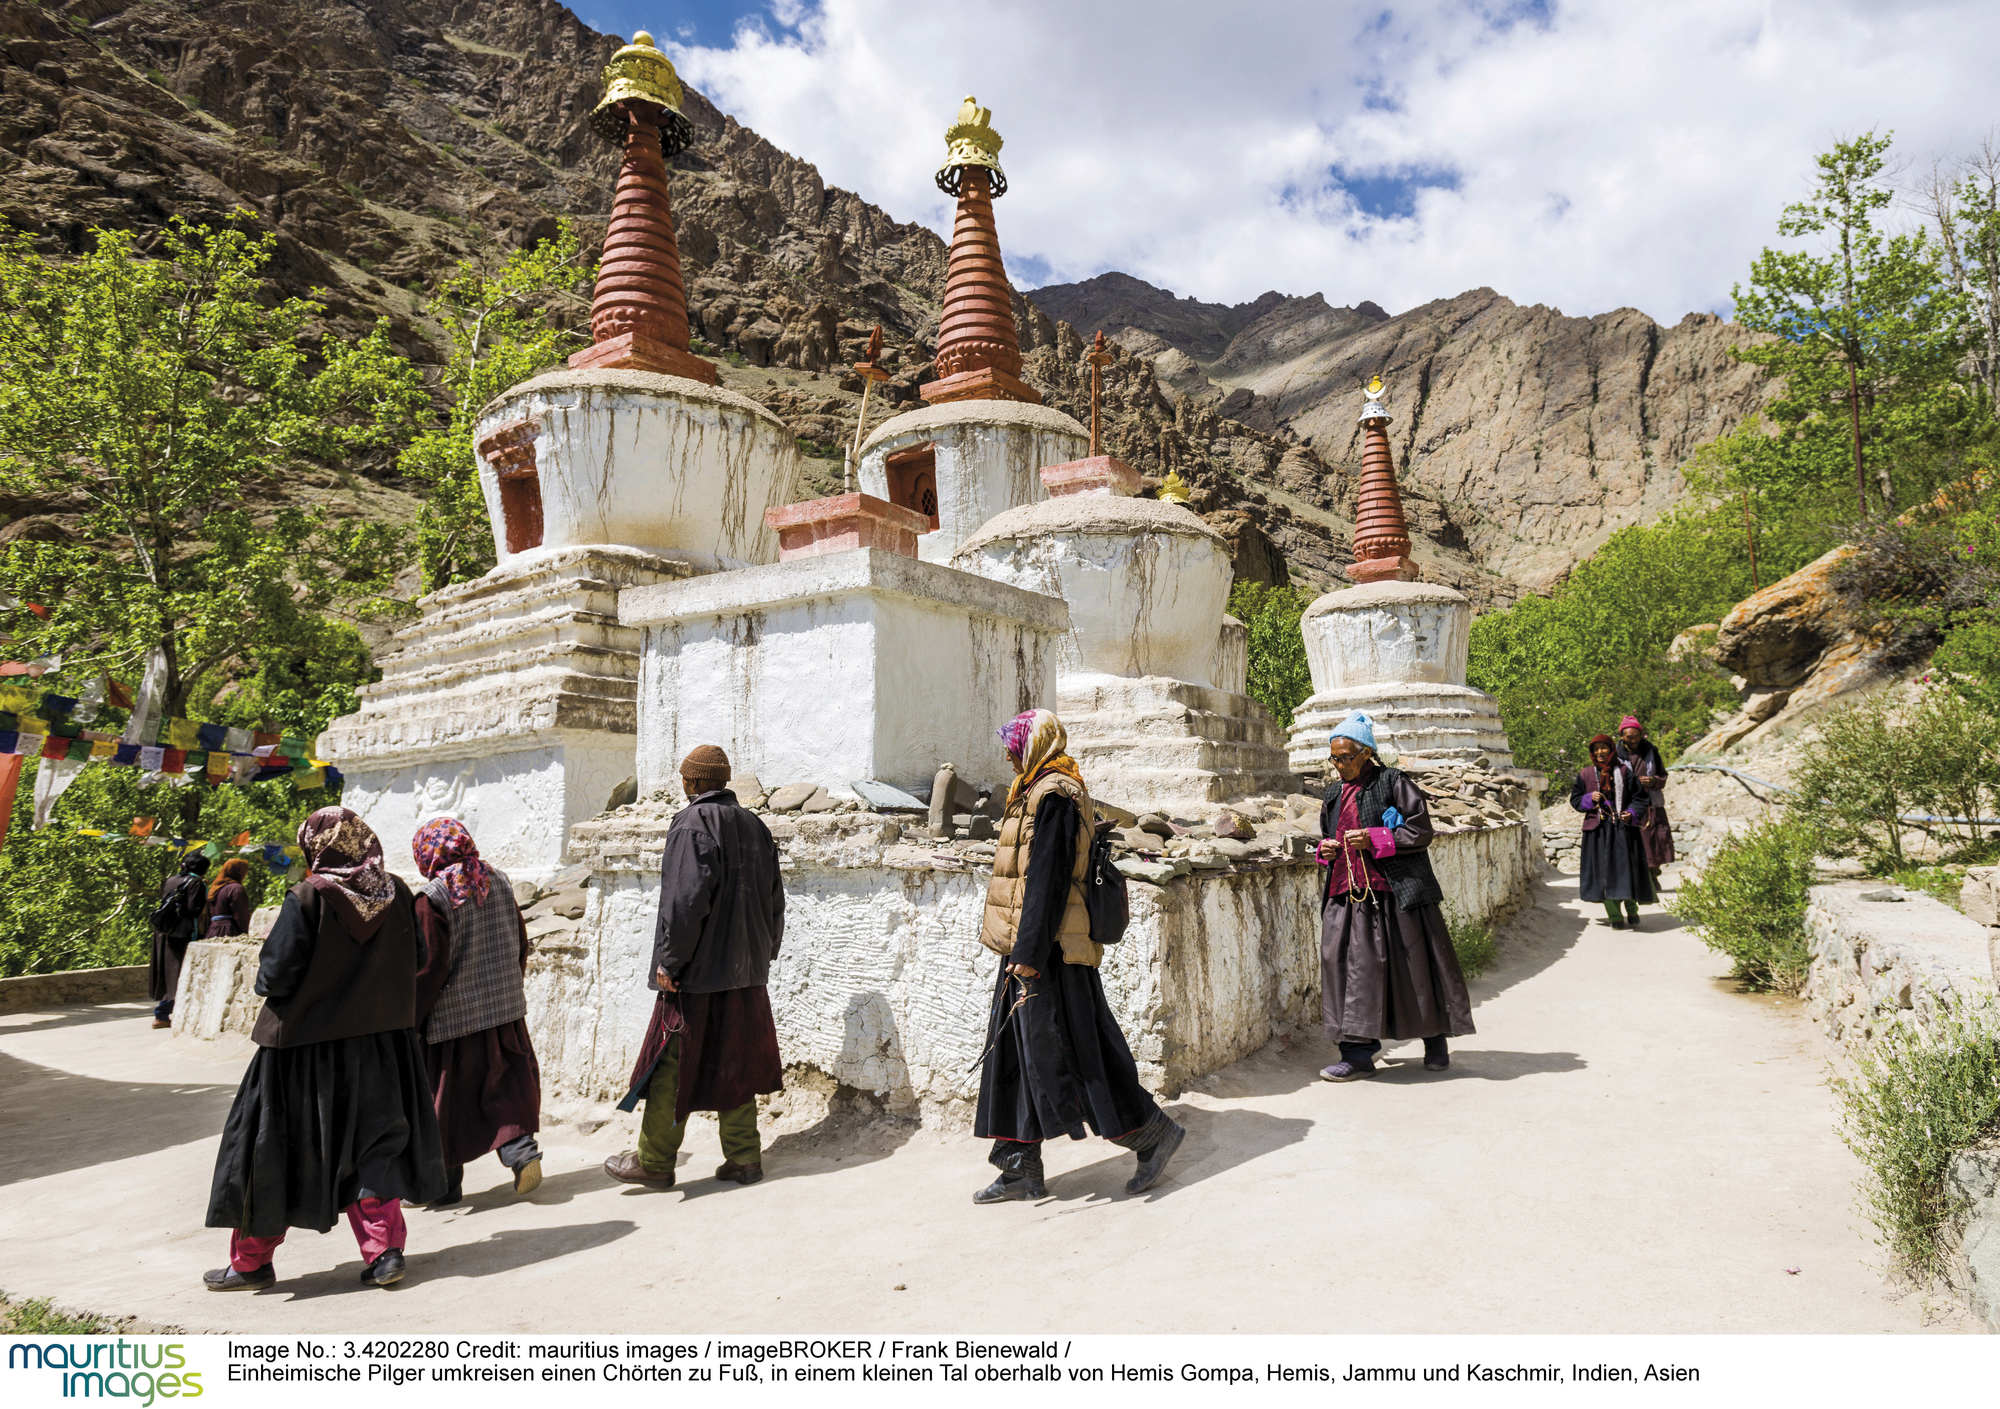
pixel 1449 723
pixel 1154 744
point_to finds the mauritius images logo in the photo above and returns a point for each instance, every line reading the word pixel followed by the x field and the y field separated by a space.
pixel 144 1371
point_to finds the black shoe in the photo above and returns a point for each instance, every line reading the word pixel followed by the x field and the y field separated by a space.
pixel 1154 1163
pixel 385 1269
pixel 1437 1057
pixel 455 1194
pixel 731 1172
pixel 228 1279
pixel 1024 1188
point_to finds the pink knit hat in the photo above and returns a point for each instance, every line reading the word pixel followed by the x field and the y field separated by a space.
pixel 1630 721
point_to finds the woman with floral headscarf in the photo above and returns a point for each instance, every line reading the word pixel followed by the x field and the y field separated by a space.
pixel 1055 1060
pixel 485 1082
pixel 334 1112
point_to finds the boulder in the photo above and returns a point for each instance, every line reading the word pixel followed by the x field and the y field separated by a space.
pixel 793 796
pixel 1776 638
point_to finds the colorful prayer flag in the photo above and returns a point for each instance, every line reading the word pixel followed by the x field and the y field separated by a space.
pixel 143 826
pixel 261 742
pixel 56 706
pixel 212 850
pixel 295 748
pixel 210 735
pixel 236 740
pixel 102 748
pixel 116 695
pixel 55 746
pixel 152 757
pixel 173 760
pixel 125 755
pixel 76 750
pixel 242 839
pixel 10 741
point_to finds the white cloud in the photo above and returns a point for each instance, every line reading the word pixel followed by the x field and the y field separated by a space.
pixel 1586 155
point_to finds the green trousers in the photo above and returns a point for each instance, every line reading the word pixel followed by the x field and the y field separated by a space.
pixel 1631 909
pixel 660 1134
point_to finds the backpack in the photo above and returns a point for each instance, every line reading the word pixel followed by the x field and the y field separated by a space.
pixel 174 913
pixel 1104 895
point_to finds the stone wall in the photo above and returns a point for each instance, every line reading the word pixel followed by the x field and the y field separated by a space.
pixel 1877 962
pixel 882 986
pixel 123 984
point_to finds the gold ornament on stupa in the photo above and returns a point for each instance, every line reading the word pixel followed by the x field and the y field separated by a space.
pixel 971 141
pixel 1375 410
pixel 641 73
pixel 1174 489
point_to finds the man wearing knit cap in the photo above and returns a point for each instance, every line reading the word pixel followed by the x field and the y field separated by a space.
pixel 711 1045
pixel 1387 968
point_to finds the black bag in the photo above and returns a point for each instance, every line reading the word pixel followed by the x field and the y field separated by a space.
pixel 174 913
pixel 1104 895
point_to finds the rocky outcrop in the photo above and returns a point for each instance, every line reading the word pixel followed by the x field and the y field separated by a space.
pixel 1796 647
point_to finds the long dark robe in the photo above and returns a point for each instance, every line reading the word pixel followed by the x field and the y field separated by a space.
pixel 1386 972
pixel 486 1086
pixel 1656 832
pixel 163 974
pixel 729 1049
pixel 1057 1063
pixel 231 906
pixel 318 1126
pixel 1613 850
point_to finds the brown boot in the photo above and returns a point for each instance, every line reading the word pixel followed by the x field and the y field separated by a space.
pixel 627 1169
pixel 740 1173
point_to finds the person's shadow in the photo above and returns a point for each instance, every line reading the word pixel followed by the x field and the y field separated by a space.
pixel 1217 1141
pixel 57 1120
pixel 507 1250
pixel 1405 1066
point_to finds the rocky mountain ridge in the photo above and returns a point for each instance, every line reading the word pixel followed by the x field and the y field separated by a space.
pixel 386 139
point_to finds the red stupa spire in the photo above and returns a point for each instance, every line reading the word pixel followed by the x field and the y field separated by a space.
pixel 979 347
pixel 638 315
pixel 1381 533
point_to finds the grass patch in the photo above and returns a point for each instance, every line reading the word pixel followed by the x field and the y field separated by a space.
pixel 38 1317
pixel 1473 942
pixel 1918 1100
pixel 1938 882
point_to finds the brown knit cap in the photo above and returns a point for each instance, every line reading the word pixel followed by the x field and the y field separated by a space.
pixel 707 761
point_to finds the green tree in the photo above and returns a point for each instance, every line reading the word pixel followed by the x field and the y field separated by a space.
pixel 508 318
pixel 1279 678
pixel 1867 337
pixel 169 394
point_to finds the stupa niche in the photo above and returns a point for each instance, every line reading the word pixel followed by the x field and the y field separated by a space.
pixel 977 448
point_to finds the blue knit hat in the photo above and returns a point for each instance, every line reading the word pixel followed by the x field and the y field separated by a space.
pixel 1358 727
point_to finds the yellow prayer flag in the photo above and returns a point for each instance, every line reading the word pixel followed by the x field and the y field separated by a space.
pixel 103 748
pixel 182 733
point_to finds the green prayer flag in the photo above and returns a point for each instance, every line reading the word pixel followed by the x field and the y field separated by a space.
pixel 79 750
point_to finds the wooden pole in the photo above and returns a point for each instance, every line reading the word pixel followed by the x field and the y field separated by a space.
pixel 1854 426
pixel 860 426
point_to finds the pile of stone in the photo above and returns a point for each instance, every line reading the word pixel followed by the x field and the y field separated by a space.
pixel 1469 796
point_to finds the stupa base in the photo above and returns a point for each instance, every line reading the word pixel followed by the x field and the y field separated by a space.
pixel 1157 745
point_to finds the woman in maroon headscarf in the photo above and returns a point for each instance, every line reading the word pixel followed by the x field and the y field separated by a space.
pixel 485 1082
pixel 335 1111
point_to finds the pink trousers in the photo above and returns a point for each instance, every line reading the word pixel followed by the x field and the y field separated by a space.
pixel 377 1224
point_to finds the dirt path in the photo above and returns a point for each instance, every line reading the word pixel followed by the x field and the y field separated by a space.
pixel 1626 1146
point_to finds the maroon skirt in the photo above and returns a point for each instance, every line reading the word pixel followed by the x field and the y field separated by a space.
pixel 487 1088
pixel 729 1049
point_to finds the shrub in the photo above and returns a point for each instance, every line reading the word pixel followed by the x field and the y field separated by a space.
pixel 1918 1099
pixel 1279 678
pixel 1472 941
pixel 1750 903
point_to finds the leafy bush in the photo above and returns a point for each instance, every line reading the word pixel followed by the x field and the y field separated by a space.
pixel 1473 942
pixel 1917 1101
pixel 1750 903
pixel 1871 770
pixel 1279 678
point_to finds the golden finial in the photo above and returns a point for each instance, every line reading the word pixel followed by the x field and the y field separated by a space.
pixel 641 73
pixel 1174 489
pixel 1375 410
pixel 971 141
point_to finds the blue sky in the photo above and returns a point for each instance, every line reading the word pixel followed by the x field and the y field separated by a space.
pixel 1588 154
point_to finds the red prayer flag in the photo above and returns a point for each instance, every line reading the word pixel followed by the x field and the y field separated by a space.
pixel 242 839
pixel 143 826
pixel 55 746
pixel 10 777
pixel 116 695
pixel 173 760
pixel 38 609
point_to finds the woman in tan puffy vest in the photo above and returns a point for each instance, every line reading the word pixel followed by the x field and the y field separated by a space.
pixel 1056 1062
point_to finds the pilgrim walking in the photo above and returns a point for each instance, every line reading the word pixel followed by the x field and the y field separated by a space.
pixel 174 921
pixel 334 1112
pixel 1607 793
pixel 712 1044
pixel 1388 971
pixel 227 911
pixel 485 1083
pixel 1055 1062
pixel 1656 833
